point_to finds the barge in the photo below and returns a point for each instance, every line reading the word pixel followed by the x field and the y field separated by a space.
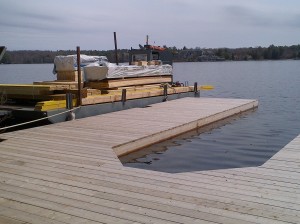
pixel 97 87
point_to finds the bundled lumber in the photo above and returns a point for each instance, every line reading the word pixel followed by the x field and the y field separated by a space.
pixel 134 94
pixel 52 105
pixel 90 92
pixel 111 97
pixel 130 88
pixel 37 97
pixel 60 85
pixel 84 92
pixel 115 83
pixel 142 63
pixel 68 76
pixel 26 89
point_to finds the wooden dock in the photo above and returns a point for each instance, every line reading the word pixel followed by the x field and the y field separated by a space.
pixel 70 173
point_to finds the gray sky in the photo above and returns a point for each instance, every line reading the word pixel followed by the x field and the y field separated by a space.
pixel 65 24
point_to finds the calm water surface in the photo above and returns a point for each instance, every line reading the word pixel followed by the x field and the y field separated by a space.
pixel 247 140
pixel 26 74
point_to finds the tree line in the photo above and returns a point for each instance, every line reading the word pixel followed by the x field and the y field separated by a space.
pixel 42 57
pixel 180 54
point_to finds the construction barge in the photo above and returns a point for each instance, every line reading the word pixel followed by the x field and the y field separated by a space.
pixel 98 87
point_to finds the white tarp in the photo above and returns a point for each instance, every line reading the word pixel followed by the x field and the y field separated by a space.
pixel 69 63
pixel 95 72
pixel 98 68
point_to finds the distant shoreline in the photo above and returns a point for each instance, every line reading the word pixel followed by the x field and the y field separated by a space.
pixel 180 54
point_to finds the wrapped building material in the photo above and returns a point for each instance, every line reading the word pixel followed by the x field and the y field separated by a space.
pixel 69 63
pixel 112 71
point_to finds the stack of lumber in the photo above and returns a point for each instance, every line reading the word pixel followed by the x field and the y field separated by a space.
pixel 85 92
pixel 114 96
pixel 68 76
pixel 40 90
pixel 115 83
pixel 134 94
pixel 131 88
pixel 52 105
pixel 52 94
pixel 37 88
pixel 60 85
pixel 144 63
pixel 26 89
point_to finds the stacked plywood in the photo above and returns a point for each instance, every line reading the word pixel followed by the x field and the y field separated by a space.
pixel 115 83
pixel 133 94
pixel 26 89
pixel 52 105
pixel 47 90
pixel 60 85
pixel 68 76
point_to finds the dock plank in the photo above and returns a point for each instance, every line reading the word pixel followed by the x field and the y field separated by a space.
pixel 70 173
pixel 184 208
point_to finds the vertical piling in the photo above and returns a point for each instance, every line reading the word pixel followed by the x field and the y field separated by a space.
pixel 196 91
pixel 116 48
pixel 79 98
pixel 165 92
pixel 69 106
pixel 69 101
pixel 123 95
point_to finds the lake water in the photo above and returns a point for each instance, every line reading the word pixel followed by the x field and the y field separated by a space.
pixel 26 74
pixel 247 140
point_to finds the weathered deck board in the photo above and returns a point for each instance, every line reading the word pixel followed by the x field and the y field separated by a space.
pixel 70 173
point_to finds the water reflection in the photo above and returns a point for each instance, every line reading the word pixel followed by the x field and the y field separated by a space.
pixel 248 141
pixel 191 151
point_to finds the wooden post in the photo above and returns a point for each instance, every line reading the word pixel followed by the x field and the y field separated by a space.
pixel 69 101
pixel 79 98
pixel 116 48
pixel 123 95
pixel 165 92
pixel 196 91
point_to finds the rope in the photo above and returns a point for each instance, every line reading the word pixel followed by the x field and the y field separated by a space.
pixel 40 119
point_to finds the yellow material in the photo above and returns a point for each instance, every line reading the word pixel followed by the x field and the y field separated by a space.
pixel 69 75
pixel 60 84
pixel 111 97
pixel 21 85
pixel 116 83
pixel 26 89
pixel 133 94
pixel 52 105
pixel 207 87
pixel 142 63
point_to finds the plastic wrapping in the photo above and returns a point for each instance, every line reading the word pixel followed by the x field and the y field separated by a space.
pixel 69 63
pixel 97 68
pixel 110 71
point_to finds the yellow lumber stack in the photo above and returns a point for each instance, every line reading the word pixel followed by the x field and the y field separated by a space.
pixel 133 94
pixel 60 85
pixel 68 76
pixel 52 105
pixel 142 63
pixel 112 97
pixel 90 92
pixel 115 83
pixel 26 89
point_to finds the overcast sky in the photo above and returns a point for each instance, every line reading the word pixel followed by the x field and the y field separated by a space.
pixel 65 24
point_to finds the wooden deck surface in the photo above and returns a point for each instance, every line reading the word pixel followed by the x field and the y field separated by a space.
pixel 70 173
